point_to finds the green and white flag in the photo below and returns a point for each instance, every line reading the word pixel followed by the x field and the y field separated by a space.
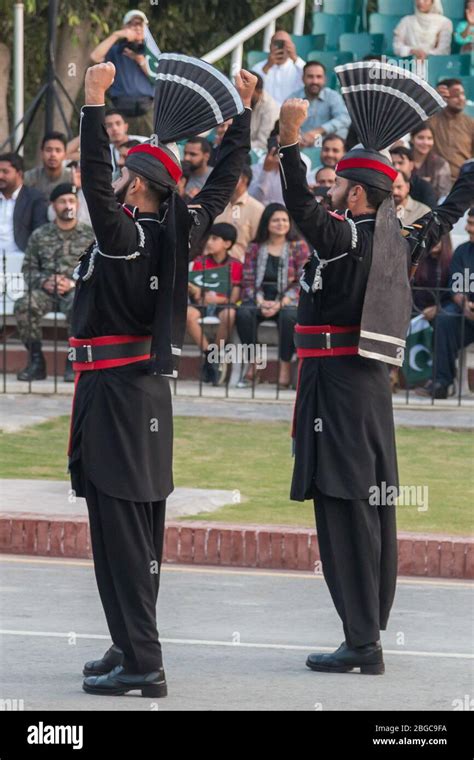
pixel 152 54
pixel 216 279
pixel 418 364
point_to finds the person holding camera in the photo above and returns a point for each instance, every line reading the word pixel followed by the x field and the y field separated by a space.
pixel 282 72
pixel 132 91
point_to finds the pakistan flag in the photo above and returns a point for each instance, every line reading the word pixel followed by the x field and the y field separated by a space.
pixel 418 363
pixel 152 54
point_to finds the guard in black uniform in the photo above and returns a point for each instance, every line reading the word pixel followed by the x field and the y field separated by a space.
pixel 128 325
pixel 353 314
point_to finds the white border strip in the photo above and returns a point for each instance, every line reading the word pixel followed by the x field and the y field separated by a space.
pixel 241 645
pixel 380 357
pixel 383 338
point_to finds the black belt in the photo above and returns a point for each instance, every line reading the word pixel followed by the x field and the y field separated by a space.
pixel 326 340
pixel 88 353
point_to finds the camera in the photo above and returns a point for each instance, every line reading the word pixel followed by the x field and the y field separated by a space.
pixel 136 47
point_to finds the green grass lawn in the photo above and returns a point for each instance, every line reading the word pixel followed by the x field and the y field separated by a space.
pixel 254 459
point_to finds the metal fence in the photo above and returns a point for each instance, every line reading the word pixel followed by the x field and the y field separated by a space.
pixel 237 358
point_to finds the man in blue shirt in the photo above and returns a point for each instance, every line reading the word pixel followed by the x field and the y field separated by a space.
pixel 327 112
pixel 132 91
pixel 451 334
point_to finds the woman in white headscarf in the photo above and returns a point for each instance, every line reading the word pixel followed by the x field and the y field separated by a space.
pixel 427 32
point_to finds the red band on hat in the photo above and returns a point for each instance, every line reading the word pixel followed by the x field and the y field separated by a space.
pixel 172 168
pixel 367 163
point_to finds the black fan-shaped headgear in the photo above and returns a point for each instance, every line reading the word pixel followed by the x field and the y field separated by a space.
pixel 191 97
pixel 385 102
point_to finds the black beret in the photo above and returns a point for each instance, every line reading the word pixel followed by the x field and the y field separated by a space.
pixel 64 188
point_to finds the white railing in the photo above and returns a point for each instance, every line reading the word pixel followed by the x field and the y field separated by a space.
pixel 235 44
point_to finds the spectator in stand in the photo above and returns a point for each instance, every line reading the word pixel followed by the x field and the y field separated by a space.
pixel 270 284
pixel 266 183
pixel 132 91
pixel 433 272
pixel 420 189
pixel 22 209
pixel 117 130
pixel 464 34
pixel 206 302
pixel 282 72
pixel 83 215
pixel 453 130
pixel 123 150
pixel 427 32
pixel 332 150
pixel 221 129
pixel 197 153
pixel 454 325
pixel 52 172
pixel 244 212
pixel 265 112
pixel 427 164
pixel 51 256
pixel 408 210
pixel 327 113
pixel 325 176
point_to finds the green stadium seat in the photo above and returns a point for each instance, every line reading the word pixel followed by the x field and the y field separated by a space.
pixel 342 7
pixel 447 66
pixel 453 8
pixel 381 24
pixel 403 7
pixel 469 110
pixel 468 84
pixel 305 43
pixel 314 155
pixel 333 27
pixel 255 56
pixel 362 44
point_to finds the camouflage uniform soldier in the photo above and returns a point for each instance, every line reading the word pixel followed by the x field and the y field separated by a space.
pixel 50 258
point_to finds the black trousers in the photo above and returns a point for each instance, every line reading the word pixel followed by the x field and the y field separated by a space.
pixel 127 545
pixel 249 317
pixel 358 549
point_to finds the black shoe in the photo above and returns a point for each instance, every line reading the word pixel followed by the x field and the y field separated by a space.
pixel 209 370
pixel 110 660
pixel 36 367
pixel 368 658
pixel 117 682
pixel 68 372
pixel 433 390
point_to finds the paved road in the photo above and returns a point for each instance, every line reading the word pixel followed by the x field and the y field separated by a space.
pixel 277 617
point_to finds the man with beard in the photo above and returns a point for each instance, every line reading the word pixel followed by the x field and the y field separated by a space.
pixel 197 154
pixel 129 320
pixel 327 113
pixel 353 314
pixel 52 172
pixel 51 256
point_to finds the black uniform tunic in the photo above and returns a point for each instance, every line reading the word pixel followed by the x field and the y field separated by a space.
pixel 122 419
pixel 353 446
pixel 345 439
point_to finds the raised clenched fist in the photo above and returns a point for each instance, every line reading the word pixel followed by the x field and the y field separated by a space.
pixel 245 84
pixel 293 114
pixel 98 80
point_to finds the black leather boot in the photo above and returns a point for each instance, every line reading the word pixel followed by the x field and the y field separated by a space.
pixel 116 683
pixel 68 372
pixel 110 660
pixel 368 658
pixel 36 367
